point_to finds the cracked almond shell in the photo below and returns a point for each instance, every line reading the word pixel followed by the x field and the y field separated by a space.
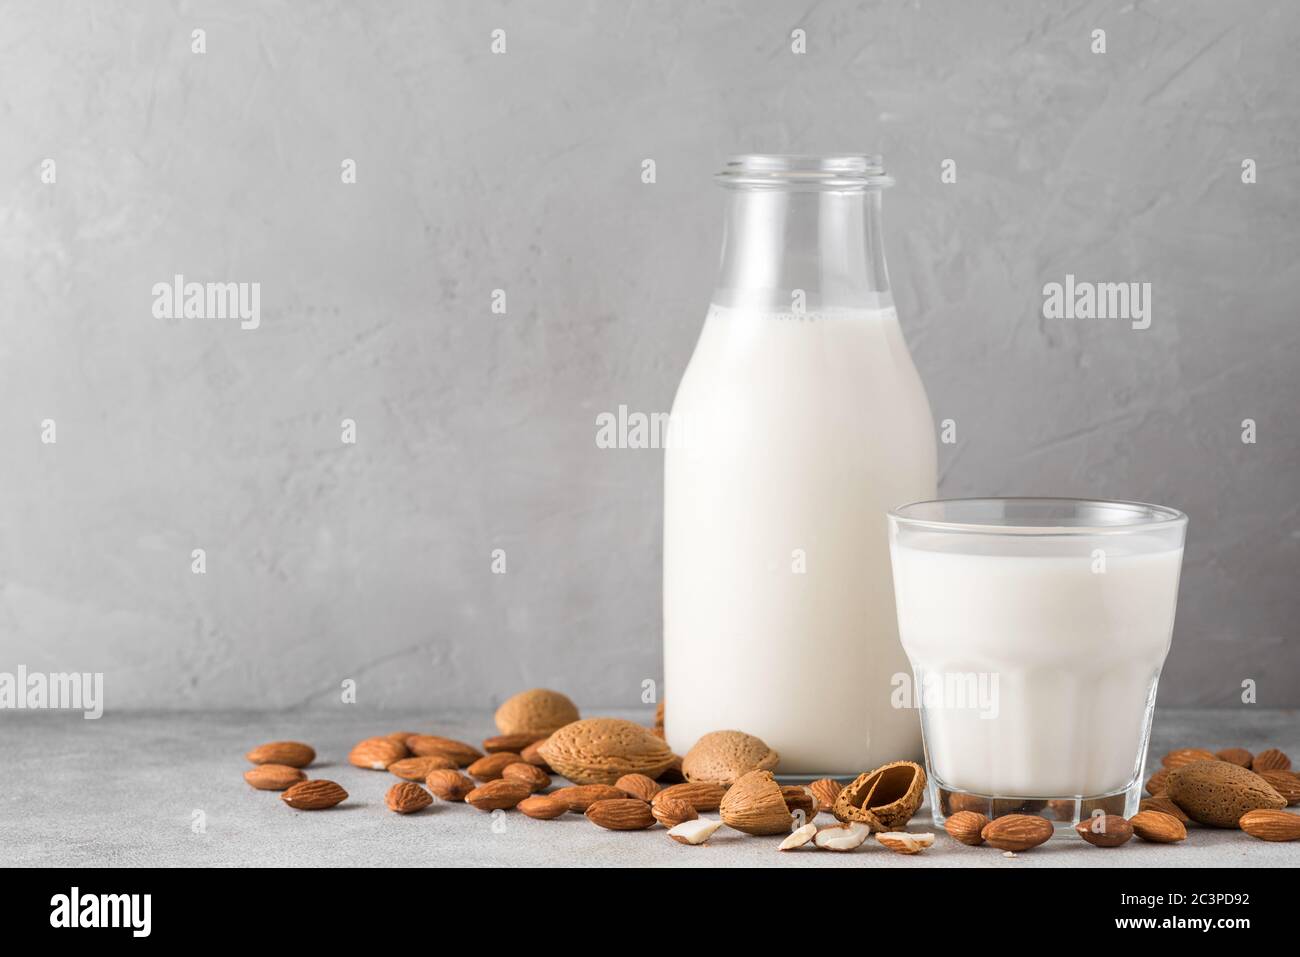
pixel 885 799
pixel 720 757
pixel 602 750
pixel 755 805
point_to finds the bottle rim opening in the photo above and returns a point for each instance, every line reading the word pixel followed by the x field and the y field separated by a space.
pixel 804 171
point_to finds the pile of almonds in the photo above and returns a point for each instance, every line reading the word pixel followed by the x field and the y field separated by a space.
pixel 624 777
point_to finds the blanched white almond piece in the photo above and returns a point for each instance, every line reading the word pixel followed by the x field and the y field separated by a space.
pixel 901 842
pixel 842 837
pixel 798 837
pixel 694 832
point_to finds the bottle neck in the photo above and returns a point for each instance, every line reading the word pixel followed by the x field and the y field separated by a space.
pixel 803 250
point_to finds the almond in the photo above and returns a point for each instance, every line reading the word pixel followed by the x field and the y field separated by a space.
pixel 1176 759
pixel 621 814
pixel 524 773
pixel 490 767
pixel 702 797
pixel 1157 827
pixel 1238 756
pixel 799 837
pixel 417 769
pixel 1270 825
pixel 514 743
pixel 424 745
pixel 720 757
pixel 841 837
pixel 293 754
pixel 1156 783
pixel 799 800
pixel 637 786
pixel 602 750
pixel 1105 830
pixel 1218 793
pixel 902 842
pixel 825 791
pixel 1017 832
pixel 376 754
pixel 407 797
pixel 579 797
pixel 497 795
pixel 1285 783
pixel 542 807
pixel 755 805
pixel 966 827
pixel 694 832
pixel 314 795
pixel 539 711
pixel 672 812
pixel 1270 760
pixel 449 785
pixel 1164 806
pixel 273 777
pixel 532 754
pixel 884 799
pixel 400 736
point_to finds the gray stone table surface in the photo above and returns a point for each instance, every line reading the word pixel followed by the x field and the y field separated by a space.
pixel 140 789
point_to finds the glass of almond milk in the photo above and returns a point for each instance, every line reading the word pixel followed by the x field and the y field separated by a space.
pixel 1036 629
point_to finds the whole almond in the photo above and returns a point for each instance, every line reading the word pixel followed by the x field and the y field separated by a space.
pixel 424 745
pixel 497 795
pixel 417 769
pixel 525 773
pixel 1218 793
pixel 1164 806
pixel 755 805
pixel 448 785
pixel 1271 760
pixel 511 742
pixel 293 754
pixel 672 811
pixel 1105 830
pixel 1157 827
pixel 490 767
pixel 314 795
pixel 376 754
pixel 702 797
pixel 621 814
pixel 1238 756
pixel 273 777
pixel 799 800
pixel 399 736
pixel 407 797
pixel 638 786
pixel 966 827
pixel 539 711
pixel 1181 756
pixel 1156 783
pixel 1285 783
pixel 579 797
pixel 1270 825
pixel 533 755
pixel 825 791
pixel 1017 832
pixel 542 807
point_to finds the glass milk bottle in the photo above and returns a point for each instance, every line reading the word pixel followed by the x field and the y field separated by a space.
pixel 800 421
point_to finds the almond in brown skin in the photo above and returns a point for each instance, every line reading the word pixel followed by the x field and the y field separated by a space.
pixel 376 754
pixel 498 795
pixel 621 814
pixel 1269 825
pixel 966 827
pixel 1285 783
pixel 1157 782
pixel 490 767
pixel 1238 756
pixel 314 795
pixel 825 791
pixel 541 807
pixel 449 785
pixel 799 800
pixel 579 797
pixel 1105 830
pixel 417 769
pixel 539 711
pixel 721 757
pixel 1271 760
pixel 1164 806
pixel 533 755
pixel 525 773
pixel 670 812
pixel 407 798
pixel 273 777
pixel 1177 758
pixel 423 745
pixel 293 754
pixel 638 786
pixel 511 742
pixel 1158 828
pixel 1017 832
pixel 702 797
pixel 1218 793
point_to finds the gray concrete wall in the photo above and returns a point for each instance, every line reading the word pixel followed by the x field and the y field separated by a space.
pixel 522 171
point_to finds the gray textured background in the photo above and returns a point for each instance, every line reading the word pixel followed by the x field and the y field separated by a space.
pixel 521 171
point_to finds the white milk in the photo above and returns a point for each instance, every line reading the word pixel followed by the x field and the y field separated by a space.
pixel 800 432
pixel 1076 655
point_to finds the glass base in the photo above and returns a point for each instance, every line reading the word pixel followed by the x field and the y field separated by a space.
pixel 1065 811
